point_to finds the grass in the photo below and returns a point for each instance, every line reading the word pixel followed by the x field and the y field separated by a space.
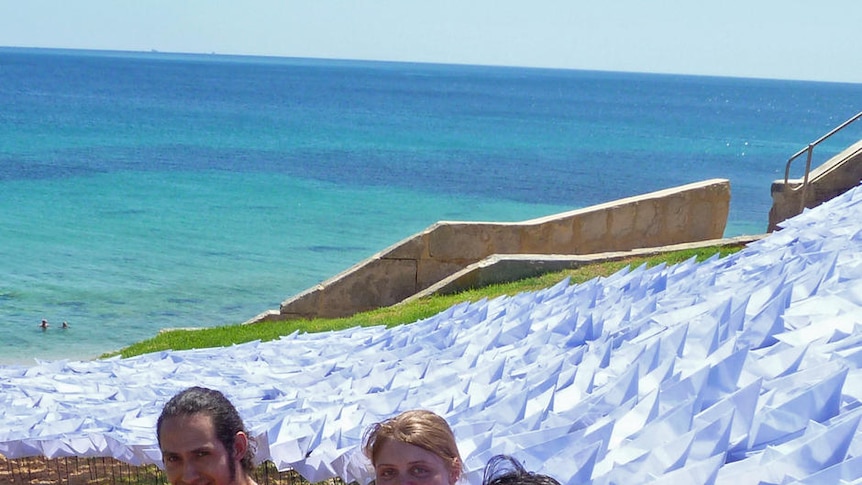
pixel 400 314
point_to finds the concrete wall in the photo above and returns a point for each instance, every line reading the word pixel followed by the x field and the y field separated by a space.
pixel 503 268
pixel 688 213
pixel 836 176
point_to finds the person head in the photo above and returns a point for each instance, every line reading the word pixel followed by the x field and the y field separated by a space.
pixel 505 470
pixel 202 436
pixel 416 445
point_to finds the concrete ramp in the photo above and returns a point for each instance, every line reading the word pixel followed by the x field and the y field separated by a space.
pixel 834 177
pixel 692 212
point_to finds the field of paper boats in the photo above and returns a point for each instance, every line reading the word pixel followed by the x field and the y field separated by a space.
pixel 741 370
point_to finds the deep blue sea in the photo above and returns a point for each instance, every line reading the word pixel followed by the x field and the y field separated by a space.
pixel 142 191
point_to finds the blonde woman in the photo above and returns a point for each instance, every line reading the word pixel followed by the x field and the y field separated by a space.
pixel 416 447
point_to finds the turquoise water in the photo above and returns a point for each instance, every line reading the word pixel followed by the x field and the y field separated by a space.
pixel 158 250
pixel 142 192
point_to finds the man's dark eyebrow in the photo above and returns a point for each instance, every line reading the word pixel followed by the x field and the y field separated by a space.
pixel 194 450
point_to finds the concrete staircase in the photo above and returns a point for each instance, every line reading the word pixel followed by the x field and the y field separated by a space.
pixel 684 214
pixel 834 177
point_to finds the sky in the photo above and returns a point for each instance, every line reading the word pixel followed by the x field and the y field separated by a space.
pixel 776 39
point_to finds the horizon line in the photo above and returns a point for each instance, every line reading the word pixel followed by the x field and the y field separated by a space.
pixel 204 55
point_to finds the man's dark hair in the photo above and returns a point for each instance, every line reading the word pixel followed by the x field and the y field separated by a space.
pixel 505 470
pixel 225 418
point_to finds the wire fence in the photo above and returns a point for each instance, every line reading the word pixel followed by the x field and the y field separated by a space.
pixel 39 470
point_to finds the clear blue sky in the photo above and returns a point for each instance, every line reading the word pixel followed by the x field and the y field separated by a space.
pixel 783 39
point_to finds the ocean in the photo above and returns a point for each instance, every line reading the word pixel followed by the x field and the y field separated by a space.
pixel 143 191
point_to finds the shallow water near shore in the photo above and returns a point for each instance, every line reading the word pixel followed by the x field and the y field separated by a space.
pixel 148 262
pixel 145 191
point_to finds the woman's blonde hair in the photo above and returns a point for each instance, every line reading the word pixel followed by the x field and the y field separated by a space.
pixel 419 428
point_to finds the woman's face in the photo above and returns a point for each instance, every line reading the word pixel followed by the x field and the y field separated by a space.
pixel 400 463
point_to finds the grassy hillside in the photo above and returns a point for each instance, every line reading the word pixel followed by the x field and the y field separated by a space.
pixel 399 314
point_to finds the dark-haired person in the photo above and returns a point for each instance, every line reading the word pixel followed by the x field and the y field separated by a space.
pixel 416 447
pixel 203 440
pixel 505 470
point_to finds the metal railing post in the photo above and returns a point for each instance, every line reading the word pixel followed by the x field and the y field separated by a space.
pixel 803 198
pixel 810 150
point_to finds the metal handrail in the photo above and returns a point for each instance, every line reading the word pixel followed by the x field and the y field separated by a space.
pixel 810 150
